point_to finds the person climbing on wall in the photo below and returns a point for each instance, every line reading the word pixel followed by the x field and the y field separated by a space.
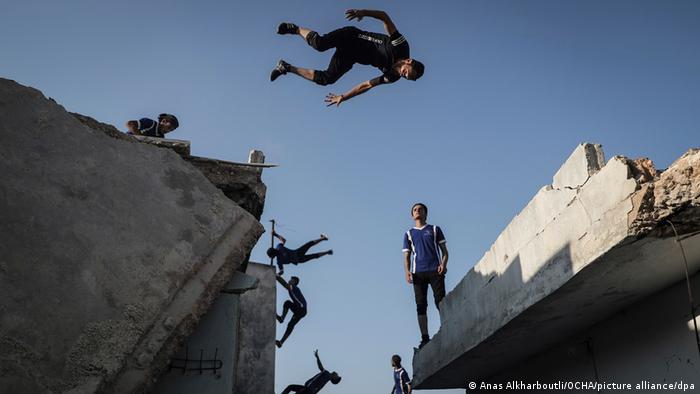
pixel 388 52
pixel 295 256
pixel 296 304
pixel 316 383
pixel 402 383
pixel 425 263
pixel 151 128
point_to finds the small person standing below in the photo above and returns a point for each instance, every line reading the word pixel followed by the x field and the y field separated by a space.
pixel 296 303
pixel 425 263
pixel 285 255
pixel 150 128
pixel 316 383
pixel 402 383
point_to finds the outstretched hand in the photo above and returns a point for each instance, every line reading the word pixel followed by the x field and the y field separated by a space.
pixel 316 352
pixel 354 14
pixel 333 99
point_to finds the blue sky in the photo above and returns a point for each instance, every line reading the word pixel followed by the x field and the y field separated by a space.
pixel 510 88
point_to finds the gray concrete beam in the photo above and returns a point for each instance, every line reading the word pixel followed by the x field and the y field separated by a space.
pixel 573 256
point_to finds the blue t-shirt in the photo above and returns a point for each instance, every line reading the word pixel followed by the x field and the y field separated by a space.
pixel 315 384
pixel 423 245
pixel 149 127
pixel 296 296
pixel 401 381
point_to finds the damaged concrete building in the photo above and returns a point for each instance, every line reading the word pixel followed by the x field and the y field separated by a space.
pixel 586 283
pixel 114 249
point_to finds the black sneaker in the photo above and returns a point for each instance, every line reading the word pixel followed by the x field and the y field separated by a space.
pixel 423 342
pixel 287 28
pixel 281 69
pixel 279 344
pixel 279 318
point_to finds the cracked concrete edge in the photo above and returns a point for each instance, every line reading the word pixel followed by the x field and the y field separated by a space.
pixel 629 214
pixel 586 160
pixel 179 320
pixel 241 283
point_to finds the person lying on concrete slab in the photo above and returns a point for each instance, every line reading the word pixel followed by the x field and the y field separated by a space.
pixel 150 128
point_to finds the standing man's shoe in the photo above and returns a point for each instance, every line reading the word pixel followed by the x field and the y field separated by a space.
pixel 281 69
pixel 424 341
pixel 287 28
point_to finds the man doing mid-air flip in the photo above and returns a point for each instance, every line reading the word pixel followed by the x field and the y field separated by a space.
pixel 389 53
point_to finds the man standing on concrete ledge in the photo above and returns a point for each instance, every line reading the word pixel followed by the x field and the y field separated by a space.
pixel 425 263
pixel 316 383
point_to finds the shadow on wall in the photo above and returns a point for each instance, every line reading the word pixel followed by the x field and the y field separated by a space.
pixel 486 305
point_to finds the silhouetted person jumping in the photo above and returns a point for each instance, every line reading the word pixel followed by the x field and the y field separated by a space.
pixel 389 53
pixel 315 384
pixel 294 256
pixel 296 304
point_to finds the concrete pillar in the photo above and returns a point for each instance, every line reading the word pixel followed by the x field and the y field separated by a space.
pixel 256 156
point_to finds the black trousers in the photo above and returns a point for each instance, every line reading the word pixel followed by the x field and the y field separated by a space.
pixel 297 388
pixel 302 257
pixel 298 313
pixel 344 40
pixel 421 280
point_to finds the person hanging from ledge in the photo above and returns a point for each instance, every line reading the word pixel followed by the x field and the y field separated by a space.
pixel 425 263
pixel 388 52
pixel 402 383
pixel 316 383
pixel 295 256
pixel 151 128
pixel 296 304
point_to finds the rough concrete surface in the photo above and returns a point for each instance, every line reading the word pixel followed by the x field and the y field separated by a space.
pixel 111 251
pixel 239 329
pixel 255 362
pixel 652 340
pixel 241 183
pixel 574 255
pixel 215 341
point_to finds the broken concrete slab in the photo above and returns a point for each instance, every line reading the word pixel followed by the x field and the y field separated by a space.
pixel 544 279
pixel 586 160
pixel 241 182
pixel 181 147
pixel 111 251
